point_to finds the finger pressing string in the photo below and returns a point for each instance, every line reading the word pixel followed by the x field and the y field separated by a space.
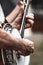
pixel 22 3
pixel 30 16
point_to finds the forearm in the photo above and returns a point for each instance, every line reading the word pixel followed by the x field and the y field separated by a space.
pixel 8 42
pixel 4 38
pixel 13 14
pixel 14 44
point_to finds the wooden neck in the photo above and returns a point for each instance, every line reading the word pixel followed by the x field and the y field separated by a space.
pixel 23 20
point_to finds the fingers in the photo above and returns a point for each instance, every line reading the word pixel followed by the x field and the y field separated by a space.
pixel 18 19
pixel 29 20
pixel 22 4
pixel 27 25
pixel 29 45
pixel 30 16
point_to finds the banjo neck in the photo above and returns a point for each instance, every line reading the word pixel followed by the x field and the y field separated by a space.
pixel 23 20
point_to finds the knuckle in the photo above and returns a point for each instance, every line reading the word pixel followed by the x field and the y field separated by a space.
pixel 32 22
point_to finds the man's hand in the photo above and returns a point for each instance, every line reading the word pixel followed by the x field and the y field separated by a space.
pixel 18 20
pixel 15 17
pixel 28 47
pixel 7 41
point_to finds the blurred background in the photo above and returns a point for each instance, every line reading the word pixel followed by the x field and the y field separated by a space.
pixel 36 32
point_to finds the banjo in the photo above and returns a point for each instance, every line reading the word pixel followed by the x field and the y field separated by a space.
pixel 10 57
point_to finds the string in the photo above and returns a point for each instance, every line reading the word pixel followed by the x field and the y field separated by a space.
pixel 23 20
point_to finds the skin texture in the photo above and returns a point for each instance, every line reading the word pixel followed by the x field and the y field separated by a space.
pixel 16 19
pixel 7 41
pixel 25 46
